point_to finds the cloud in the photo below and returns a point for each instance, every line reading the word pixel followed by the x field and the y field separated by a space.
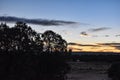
pixel 75 48
pixel 44 22
pixel 118 35
pixel 84 23
pixel 116 45
pixel 98 29
pixel 71 43
pixel 66 32
pixel 94 35
pixel 76 44
pixel 83 33
pixel 87 32
pixel 109 44
pixel 107 35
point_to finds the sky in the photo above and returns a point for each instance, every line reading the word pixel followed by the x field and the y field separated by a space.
pixel 96 27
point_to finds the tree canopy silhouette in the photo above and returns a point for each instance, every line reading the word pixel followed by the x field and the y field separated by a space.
pixel 19 38
pixel 28 55
pixel 54 42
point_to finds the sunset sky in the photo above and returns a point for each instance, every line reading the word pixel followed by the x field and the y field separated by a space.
pixel 96 24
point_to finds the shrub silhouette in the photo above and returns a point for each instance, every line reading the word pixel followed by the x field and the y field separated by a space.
pixel 114 71
pixel 22 55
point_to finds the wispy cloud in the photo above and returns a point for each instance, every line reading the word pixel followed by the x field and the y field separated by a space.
pixel 75 48
pixel 44 22
pixel 72 43
pixel 77 44
pixel 80 23
pixel 95 36
pixel 83 33
pixel 66 32
pixel 107 35
pixel 118 35
pixel 98 29
pixel 87 32
pixel 109 44
pixel 116 45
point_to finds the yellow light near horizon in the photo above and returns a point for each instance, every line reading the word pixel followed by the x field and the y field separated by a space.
pixel 93 49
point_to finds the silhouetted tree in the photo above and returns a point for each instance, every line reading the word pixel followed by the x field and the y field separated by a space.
pixel 20 38
pixel 54 42
pixel 28 65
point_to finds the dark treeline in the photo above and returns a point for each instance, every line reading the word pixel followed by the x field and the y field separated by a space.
pixel 28 55
pixel 21 37
pixel 104 58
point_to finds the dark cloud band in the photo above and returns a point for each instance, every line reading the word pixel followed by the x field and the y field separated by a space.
pixel 116 45
pixel 36 21
pixel 98 29
pixel 76 44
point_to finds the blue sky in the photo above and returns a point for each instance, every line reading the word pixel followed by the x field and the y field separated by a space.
pixel 96 13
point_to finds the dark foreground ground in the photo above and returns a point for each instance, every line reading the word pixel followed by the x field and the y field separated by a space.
pixel 89 71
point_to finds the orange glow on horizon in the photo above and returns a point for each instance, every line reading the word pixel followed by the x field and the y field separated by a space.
pixel 76 48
